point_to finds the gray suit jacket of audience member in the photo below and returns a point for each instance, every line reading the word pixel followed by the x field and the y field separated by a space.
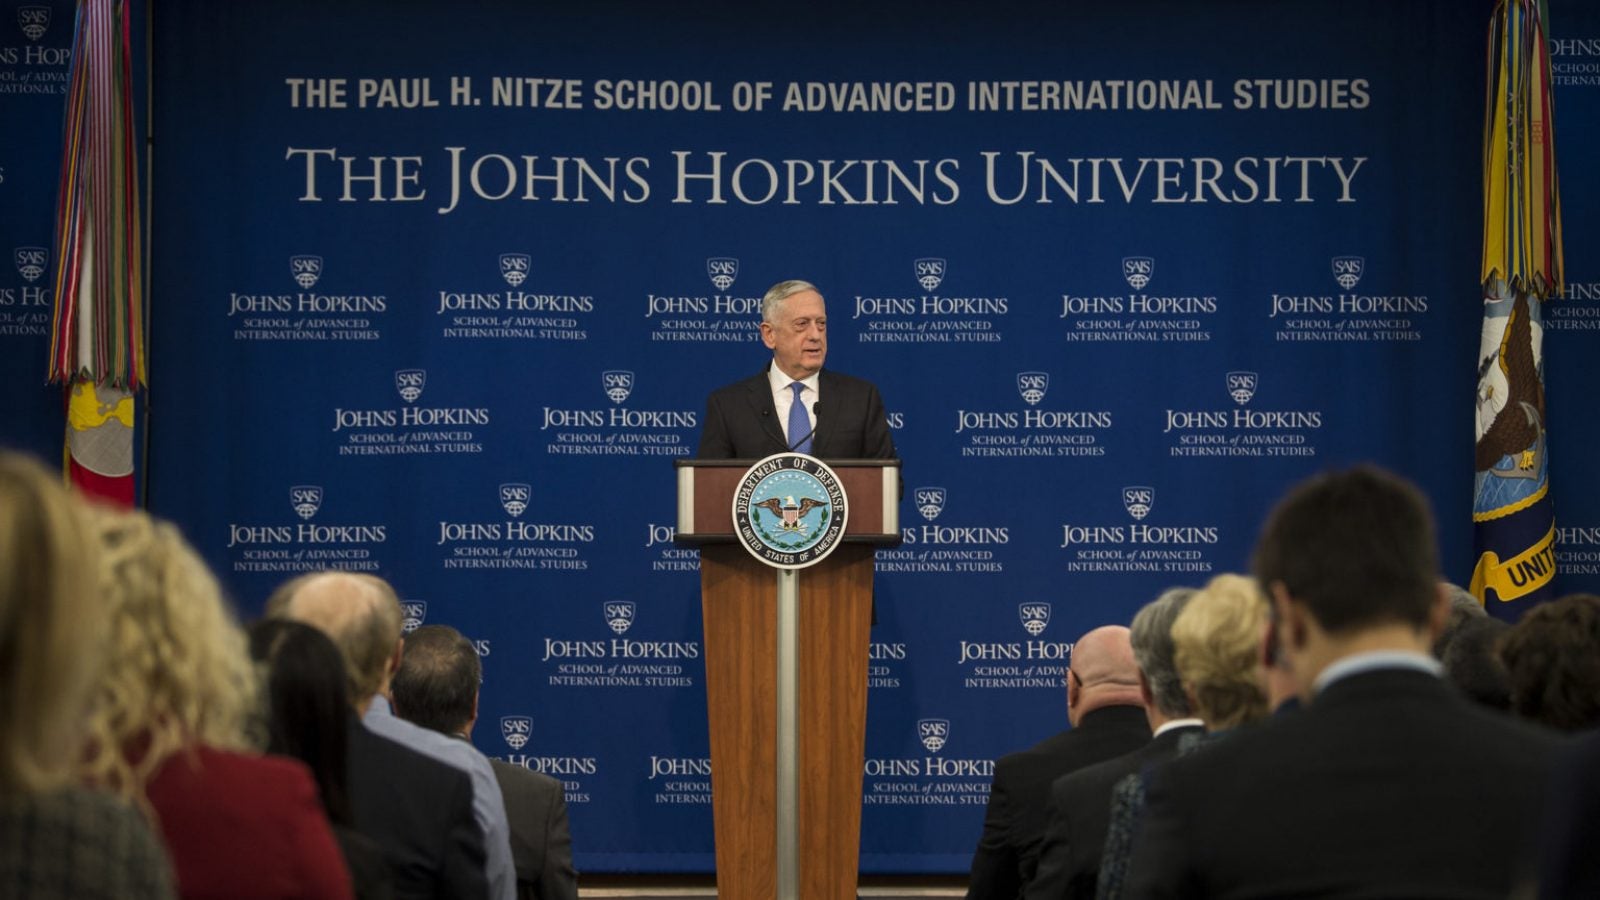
pixel 541 843
pixel 1389 784
pixel 1069 859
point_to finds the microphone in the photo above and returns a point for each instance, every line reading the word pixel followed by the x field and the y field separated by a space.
pixel 816 416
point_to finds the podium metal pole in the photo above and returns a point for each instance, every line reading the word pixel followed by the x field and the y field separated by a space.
pixel 788 734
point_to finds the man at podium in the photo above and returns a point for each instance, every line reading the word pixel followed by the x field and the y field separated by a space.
pixel 793 404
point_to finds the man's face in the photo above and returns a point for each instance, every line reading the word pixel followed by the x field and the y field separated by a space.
pixel 799 337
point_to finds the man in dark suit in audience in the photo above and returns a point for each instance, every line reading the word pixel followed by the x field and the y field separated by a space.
pixel 437 688
pixel 1069 858
pixel 793 403
pixel 1107 718
pixel 1388 783
pixel 417 809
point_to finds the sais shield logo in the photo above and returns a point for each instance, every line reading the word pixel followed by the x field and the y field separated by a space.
pixel 618 384
pixel 516 729
pixel 412 614
pixel 514 498
pixel 306 270
pixel 722 270
pixel 306 499
pixel 1137 270
pixel 1035 617
pixel 1137 500
pixel 514 268
pixel 1347 270
pixel 619 615
pixel 33 20
pixel 1032 385
pixel 933 733
pixel 410 382
pixel 1242 386
pixel 930 272
pixel 930 501
pixel 30 261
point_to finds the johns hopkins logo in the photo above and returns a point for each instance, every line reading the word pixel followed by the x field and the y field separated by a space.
pixel 1137 500
pixel 1035 617
pixel 722 270
pixel 930 501
pixel 306 499
pixel 933 733
pixel 412 614
pixel 410 382
pixel 1032 385
pixel 306 270
pixel 34 21
pixel 1242 386
pixel 789 510
pixel 30 261
pixel 619 615
pixel 1347 270
pixel 930 272
pixel 514 498
pixel 1137 270
pixel 514 268
pixel 516 729
pixel 618 384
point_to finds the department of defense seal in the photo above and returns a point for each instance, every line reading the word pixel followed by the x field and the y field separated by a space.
pixel 789 510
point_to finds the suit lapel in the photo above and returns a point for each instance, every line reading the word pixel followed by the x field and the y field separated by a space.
pixel 827 386
pixel 759 395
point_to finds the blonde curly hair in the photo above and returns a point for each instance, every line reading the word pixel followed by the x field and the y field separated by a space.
pixel 51 637
pixel 1217 643
pixel 178 669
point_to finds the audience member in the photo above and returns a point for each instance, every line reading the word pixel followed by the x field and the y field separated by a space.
pixel 418 809
pixel 1069 858
pixel 1218 646
pixel 1108 719
pixel 173 722
pixel 1360 793
pixel 57 840
pixel 1569 866
pixel 1471 660
pixel 437 687
pixel 1552 657
pixel 307 708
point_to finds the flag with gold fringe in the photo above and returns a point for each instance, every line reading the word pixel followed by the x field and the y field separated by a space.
pixel 1514 529
pixel 97 328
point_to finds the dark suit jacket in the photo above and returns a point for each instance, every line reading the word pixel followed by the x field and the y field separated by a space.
pixel 1019 798
pixel 419 811
pixel 541 843
pixel 1570 866
pixel 1388 785
pixel 1069 858
pixel 742 422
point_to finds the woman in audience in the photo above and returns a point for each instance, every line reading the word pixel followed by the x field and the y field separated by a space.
pixel 56 840
pixel 308 711
pixel 1552 657
pixel 173 726
pixel 1217 649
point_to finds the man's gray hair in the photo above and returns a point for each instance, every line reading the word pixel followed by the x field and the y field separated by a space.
pixel 780 292
pixel 1151 636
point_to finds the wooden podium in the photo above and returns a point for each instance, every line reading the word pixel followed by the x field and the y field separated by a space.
pixel 786 685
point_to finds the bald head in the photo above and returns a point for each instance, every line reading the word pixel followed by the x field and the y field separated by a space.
pixel 360 612
pixel 1103 672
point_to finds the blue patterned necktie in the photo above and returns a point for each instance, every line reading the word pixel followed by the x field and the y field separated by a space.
pixel 799 422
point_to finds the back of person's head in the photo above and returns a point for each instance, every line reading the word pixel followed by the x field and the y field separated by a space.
pixel 1217 641
pixel 307 704
pixel 1553 658
pixel 360 612
pixel 1102 672
pixel 1356 547
pixel 51 634
pixel 177 671
pixel 1151 637
pixel 1464 609
pixel 437 685
pixel 1471 661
